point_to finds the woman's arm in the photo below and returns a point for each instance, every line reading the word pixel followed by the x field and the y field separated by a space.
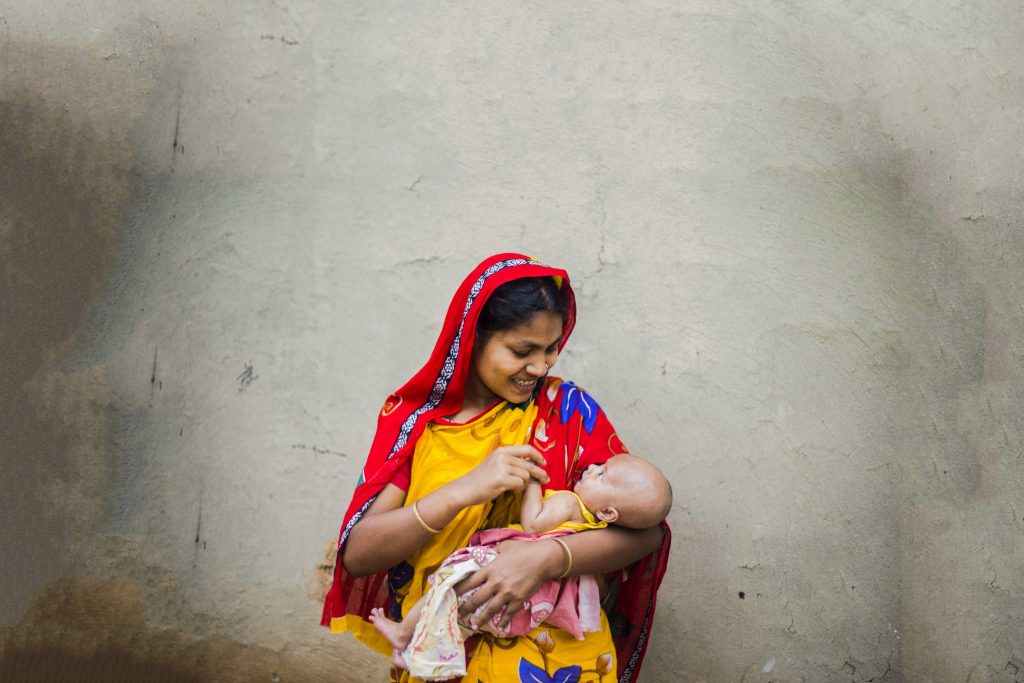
pixel 605 550
pixel 389 531
pixel 387 518
pixel 520 567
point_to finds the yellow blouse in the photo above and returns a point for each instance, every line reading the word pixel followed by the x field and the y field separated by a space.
pixel 444 452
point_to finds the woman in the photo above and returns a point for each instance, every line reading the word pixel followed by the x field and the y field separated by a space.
pixel 450 456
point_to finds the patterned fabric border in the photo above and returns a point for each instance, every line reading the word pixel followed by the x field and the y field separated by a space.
pixel 448 368
pixel 627 672
pixel 352 522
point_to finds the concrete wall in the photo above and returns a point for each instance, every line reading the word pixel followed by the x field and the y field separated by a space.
pixel 228 231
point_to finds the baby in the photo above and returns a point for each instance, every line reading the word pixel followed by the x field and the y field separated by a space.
pixel 625 490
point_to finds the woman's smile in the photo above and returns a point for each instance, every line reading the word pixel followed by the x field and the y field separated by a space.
pixel 524 385
pixel 509 364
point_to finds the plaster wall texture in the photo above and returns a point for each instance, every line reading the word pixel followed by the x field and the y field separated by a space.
pixel 228 232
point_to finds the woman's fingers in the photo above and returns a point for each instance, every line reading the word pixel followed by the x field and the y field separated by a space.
pixel 498 600
pixel 514 483
pixel 469 583
pixel 527 470
pixel 486 599
pixel 535 472
pixel 522 462
pixel 534 462
pixel 525 451
pixel 510 611
pixel 489 595
pixel 527 454
pixel 470 605
pixel 508 468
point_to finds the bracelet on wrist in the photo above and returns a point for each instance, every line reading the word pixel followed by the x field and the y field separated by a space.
pixel 419 518
pixel 568 555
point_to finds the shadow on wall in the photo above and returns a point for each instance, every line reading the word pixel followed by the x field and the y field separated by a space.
pixel 111 630
pixel 102 666
pixel 68 177
pixel 62 188
pixel 92 630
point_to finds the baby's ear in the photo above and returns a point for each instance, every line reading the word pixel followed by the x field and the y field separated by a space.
pixel 609 515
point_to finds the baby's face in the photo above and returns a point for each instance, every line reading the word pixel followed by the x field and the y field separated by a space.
pixel 600 485
pixel 627 491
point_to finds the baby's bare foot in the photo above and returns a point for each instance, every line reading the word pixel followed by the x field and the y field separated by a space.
pixel 393 631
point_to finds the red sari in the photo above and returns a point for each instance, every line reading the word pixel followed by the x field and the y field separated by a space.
pixel 569 424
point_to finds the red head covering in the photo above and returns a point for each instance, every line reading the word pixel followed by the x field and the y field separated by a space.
pixel 438 388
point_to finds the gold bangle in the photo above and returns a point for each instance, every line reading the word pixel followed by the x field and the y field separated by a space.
pixel 419 518
pixel 568 553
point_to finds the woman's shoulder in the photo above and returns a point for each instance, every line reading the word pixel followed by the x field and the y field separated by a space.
pixel 553 386
pixel 571 400
pixel 560 386
pixel 566 409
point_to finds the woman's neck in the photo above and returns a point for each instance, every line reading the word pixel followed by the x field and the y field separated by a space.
pixel 476 400
pixel 468 414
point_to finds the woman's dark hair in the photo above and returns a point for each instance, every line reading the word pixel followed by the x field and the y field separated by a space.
pixel 516 302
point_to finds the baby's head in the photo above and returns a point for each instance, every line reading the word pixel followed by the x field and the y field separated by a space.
pixel 626 490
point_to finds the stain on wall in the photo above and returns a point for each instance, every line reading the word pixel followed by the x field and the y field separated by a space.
pixel 63 184
pixel 94 630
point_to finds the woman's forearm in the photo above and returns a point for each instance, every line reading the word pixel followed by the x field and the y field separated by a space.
pixel 521 567
pixel 604 550
pixel 390 532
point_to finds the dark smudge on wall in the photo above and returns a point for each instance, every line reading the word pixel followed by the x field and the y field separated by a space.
pixel 96 630
pixel 63 185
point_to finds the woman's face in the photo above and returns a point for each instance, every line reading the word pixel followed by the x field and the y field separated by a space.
pixel 511 361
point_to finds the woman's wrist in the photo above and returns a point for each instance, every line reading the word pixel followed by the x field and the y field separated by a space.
pixel 461 492
pixel 558 559
pixel 440 507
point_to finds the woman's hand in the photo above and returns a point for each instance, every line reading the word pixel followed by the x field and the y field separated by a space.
pixel 521 567
pixel 512 577
pixel 507 468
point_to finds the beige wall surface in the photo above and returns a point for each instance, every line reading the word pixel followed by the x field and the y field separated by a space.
pixel 229 230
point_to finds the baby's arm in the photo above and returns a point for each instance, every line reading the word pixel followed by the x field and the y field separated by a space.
pixel 538 515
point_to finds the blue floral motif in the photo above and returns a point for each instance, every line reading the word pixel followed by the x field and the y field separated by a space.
pixel 398 577
pixel 568 674
pixel 576 400
pixel 531 673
